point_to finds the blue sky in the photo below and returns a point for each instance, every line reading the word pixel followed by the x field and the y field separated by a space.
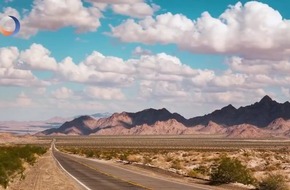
pixel 191 57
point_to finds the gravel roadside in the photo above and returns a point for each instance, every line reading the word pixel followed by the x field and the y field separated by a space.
pixel 44 175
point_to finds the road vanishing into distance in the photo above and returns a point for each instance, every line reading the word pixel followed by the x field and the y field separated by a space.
pixel 91 175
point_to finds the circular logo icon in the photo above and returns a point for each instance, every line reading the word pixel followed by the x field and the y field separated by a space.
pixel 9 25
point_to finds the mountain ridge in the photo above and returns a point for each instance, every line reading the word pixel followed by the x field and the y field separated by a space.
pixel 259 114
pixel 229 121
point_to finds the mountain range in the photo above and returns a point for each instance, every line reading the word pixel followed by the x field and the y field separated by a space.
pixel 266 118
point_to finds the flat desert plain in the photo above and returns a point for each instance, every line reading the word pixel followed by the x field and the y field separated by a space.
pixel 188 157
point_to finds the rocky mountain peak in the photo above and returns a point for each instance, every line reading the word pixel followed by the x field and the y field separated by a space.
pixel 229 107
pixel 84 117
pixel 247 121
pixel 266 99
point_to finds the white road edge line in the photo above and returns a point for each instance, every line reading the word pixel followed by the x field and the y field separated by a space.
pixel 201 187
pixel 156 177
pixel 87 188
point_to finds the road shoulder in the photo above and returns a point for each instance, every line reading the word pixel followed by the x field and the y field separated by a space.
pixel 45 175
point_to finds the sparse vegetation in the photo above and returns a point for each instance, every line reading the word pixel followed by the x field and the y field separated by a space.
pixel 134 158
pixel 147 160
pixel 231 170
pixel 176 164
pixel 12 159
pixel 196 158
pixel 202 170
pixel 273 182
pixel 193 173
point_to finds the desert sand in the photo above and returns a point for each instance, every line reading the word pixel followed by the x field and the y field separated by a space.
pixel 44 175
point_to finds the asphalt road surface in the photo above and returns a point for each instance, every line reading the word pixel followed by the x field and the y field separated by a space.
pixel 102 176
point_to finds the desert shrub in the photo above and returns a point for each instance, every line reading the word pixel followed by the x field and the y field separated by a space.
pixel 123 156
pixel 198 172
pixel 147 160
pixel 107 155
pixel 133 158
pixel 193 173
pixel 273 182
pixel 12 158
pixel 4 179
pixel 202 170
pixel 231 170
pixel 168 158
pixel 89 153
pixel 176 164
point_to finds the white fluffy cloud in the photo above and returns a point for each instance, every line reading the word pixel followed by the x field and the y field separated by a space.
pixel 259 66
pixel 108 70
pixel 253 30
pixel 132 8
pixel 10 74
pixel 8 56
pixel 51 15
pixel 138 51
pixel 261 73
pixel 54 14
pixel 138 10
pixel 159 78
pixel 62 93
pixel 164 75
pixel 38 58
pixel 104 93
pixel 97 69
pixel 162 90
pixel 17 77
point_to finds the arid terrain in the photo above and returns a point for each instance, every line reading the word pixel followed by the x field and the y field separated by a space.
pixel 46 175
pixel 185 157
pixel 264 119
pixel 9 138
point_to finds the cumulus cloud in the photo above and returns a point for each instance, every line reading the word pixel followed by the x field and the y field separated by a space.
pixel 11 74
pixel 53 15
pixel 138 10
pixel 8 56
pixel 138 51
pixel 62 93
pixel 165 75
pixel 259 66
pixel 17 77
pixel 252 30
pixel 157 77
pixel 104 93
pixel 132 8
pixel 162 90
pixel 113 71
pixel 38 58
pixel 238 97
pixel 259 72
pixel 97 69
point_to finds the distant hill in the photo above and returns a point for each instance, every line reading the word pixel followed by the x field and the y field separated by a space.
pixel 259 114
pixel 265 118
pixel 86 125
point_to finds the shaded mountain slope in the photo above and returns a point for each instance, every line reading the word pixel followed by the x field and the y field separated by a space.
pixel 262 119
pixel 259 114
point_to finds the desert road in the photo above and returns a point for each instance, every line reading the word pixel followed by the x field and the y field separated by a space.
pixel 93 175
